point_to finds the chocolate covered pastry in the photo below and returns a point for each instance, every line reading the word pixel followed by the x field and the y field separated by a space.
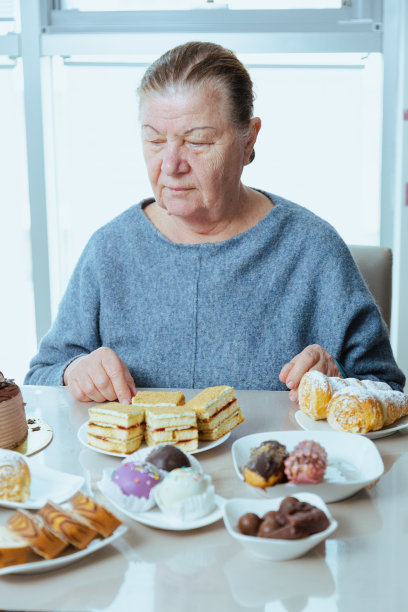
pixel 266 464
pixel 302 516
pixel 168 458
pixel 293 520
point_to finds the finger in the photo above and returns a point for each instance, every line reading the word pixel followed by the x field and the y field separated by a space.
pixel 76 391
pixel 102 383
pixel 285 371
pixel 88 387
pixel 130 382
pixel 115 370
pixel 293 396
pixel 302 364
pixel 326 364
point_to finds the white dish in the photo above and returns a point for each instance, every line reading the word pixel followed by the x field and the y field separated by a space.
pixel 41 566
pixel 202 446
pixel 47 484
pixel 156 518
pixel 353 462
pixel 310 425
pixel 268 548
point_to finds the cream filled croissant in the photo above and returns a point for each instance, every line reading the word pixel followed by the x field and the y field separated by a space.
pixel 349 404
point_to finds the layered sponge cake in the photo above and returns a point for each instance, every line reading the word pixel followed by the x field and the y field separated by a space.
pixel 217 410
pixel 167 419
pixel 116 427
pixel 146 399
pixel 172 425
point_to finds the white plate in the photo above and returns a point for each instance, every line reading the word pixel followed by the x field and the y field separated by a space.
pixel 202 446
pixel 47 484
pixel 310 425
pixel 268 548
pixel 353 462
pixel 156 518
pixel 38 567
pixel 39 436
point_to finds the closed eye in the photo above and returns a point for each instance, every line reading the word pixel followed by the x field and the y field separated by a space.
pixel 199 144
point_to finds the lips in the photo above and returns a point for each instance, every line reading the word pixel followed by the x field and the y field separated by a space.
pixel 178 188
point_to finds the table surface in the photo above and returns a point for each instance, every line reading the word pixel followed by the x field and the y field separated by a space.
pixel 363 563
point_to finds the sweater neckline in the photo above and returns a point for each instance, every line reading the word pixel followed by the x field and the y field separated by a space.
pixel 277 201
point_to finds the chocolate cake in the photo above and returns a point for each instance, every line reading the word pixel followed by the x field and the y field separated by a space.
pixel 13 423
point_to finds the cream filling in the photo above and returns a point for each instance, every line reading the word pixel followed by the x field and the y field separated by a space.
pixel 172 415
pixel 153 404
pixel 104 411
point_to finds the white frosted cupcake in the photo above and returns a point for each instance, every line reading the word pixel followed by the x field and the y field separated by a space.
pixel 185 494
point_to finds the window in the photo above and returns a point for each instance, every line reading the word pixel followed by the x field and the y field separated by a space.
pixel 18 341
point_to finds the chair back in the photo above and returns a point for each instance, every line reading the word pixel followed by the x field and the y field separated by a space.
pixel 375 264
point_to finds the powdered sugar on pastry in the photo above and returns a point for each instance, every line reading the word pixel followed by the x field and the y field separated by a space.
pixel 349 404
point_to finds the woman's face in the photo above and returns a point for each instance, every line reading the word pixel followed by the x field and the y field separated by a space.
pixel 194 154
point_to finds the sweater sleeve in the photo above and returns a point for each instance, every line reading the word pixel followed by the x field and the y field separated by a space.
pixel 361 339
pixel 75 331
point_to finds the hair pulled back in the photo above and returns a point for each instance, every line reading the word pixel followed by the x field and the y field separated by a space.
pixel 198 64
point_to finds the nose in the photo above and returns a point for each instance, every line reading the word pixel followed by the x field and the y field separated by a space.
pixel 173 161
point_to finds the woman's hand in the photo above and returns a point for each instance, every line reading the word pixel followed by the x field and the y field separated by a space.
pixel 100 376
pixel 313 357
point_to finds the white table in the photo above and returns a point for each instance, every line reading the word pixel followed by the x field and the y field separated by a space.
pixel 362 565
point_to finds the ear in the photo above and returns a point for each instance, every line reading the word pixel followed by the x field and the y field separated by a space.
pixel 254 127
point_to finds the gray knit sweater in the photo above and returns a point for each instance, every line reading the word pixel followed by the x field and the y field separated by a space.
pixel 231 312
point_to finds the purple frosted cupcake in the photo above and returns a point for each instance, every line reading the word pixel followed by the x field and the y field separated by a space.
pixel 131 485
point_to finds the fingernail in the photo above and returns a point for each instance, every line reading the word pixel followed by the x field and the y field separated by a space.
pixel 289 384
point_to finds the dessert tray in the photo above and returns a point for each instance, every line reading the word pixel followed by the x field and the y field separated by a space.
pixel 156 518
pixel 46 484
pixel 42 565
pixel 202 445
pixel 309 424
pixel 353 463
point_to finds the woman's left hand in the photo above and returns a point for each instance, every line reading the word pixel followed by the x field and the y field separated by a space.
pixel 313 357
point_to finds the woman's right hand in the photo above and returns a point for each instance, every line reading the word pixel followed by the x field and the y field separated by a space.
pixel 100 376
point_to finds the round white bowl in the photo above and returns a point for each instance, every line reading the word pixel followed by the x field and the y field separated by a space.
pixel 268 548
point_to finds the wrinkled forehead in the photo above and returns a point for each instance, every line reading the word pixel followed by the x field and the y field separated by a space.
pixel 205 101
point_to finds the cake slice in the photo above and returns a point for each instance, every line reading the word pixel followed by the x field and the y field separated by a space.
pixel 13 422
pixel 67 525
pixel 116 427
pixel 217 410
pixel 171 424
pixel 13 549
pixel 96 515
pixel 33 530
pixel 145 399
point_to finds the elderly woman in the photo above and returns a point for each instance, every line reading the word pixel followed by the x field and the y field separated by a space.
pixel 209 282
